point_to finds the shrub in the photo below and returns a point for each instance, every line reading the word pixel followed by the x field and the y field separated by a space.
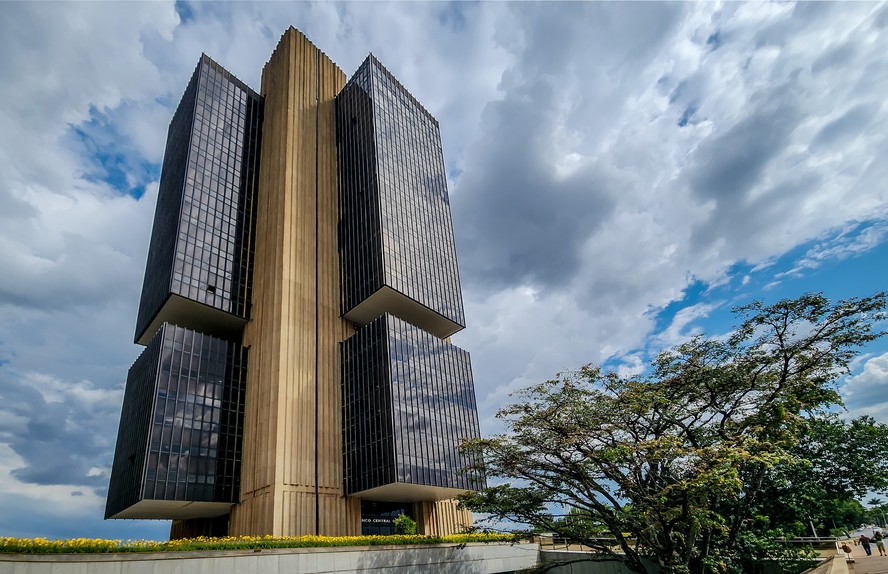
pixel 405 525
pixel 247 543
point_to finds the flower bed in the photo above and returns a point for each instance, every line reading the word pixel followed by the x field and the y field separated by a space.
pixel 100 546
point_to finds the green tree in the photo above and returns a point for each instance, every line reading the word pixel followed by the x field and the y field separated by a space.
pixel 836 463
pixel 674 466
pixel 877 513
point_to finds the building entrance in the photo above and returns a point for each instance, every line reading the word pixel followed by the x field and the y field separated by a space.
pixel 378 518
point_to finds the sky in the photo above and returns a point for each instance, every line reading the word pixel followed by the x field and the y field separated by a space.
pixel 621 175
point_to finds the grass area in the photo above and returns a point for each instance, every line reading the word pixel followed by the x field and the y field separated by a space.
pixel 100 546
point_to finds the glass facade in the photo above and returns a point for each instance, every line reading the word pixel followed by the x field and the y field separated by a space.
pixel 360 228
pixel 408 397
pixel 182 420
pixel 128 468
pixel 378 518
pixel 202 242
pixel 408 402
pixel 184 400
pixel 162 249
pixel 396 228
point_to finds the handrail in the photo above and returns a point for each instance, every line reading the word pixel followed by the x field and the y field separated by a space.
pixel 556 542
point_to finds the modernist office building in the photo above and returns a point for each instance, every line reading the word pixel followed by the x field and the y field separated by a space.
pixel 300 290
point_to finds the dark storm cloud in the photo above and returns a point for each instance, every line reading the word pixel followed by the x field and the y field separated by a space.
pixel 726 168
pixel 731 163
pixel 804 15
pixel 11 207
pixel 517 221
pixel 881 19
pixel 838 56
pixel 846 127
pixel 520 217
pixel 61 439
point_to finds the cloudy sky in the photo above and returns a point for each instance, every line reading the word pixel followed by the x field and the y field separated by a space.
pixel 621 175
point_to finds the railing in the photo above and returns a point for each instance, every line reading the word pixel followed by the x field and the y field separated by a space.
pixel 559 543
pixel 810 539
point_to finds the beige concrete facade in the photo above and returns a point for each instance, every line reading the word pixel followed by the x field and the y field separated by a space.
pixel 291 485
pixel 441 518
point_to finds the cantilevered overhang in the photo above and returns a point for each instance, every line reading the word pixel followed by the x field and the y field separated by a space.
pixel 174 510
pixel 388 300
pixel 408 492
pixel 200 317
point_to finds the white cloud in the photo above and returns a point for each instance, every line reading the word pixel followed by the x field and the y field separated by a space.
pixel 100 471
pixel 849 242
pixel 682 327
pixel 72 246
pixel 61 62
pixel 79 248
pixel 631 366
pixel 50 496
pixel 613 208
pixel 604 157
pixel 83 393
pixel 867 392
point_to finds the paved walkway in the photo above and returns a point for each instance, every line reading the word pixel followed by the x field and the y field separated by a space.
pixel 864 564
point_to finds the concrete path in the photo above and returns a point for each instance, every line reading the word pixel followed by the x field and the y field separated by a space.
pixel 864 564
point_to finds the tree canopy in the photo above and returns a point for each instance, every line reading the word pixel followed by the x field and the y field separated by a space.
pixel 682 465
pixel 837 464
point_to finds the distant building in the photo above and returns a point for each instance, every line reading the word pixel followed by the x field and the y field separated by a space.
pixel 300 290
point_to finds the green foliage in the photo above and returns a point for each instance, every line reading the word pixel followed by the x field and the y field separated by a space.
pixel 583 524
pixel 405 525
pixel 835 462
pixel 675 465
pixel 99 546
pixel 764 546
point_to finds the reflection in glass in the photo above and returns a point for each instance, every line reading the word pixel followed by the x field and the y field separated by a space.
pixel 203 225
pixel 396 228
pixel 408 402
pixel 184 399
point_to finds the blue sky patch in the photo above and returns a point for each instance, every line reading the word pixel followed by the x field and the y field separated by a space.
pixel 686 116
pixel 113 159
pixel 185 11
pixel 789 276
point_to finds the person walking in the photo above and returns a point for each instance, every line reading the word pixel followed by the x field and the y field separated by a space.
pixel 879 539
pixel 865 542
